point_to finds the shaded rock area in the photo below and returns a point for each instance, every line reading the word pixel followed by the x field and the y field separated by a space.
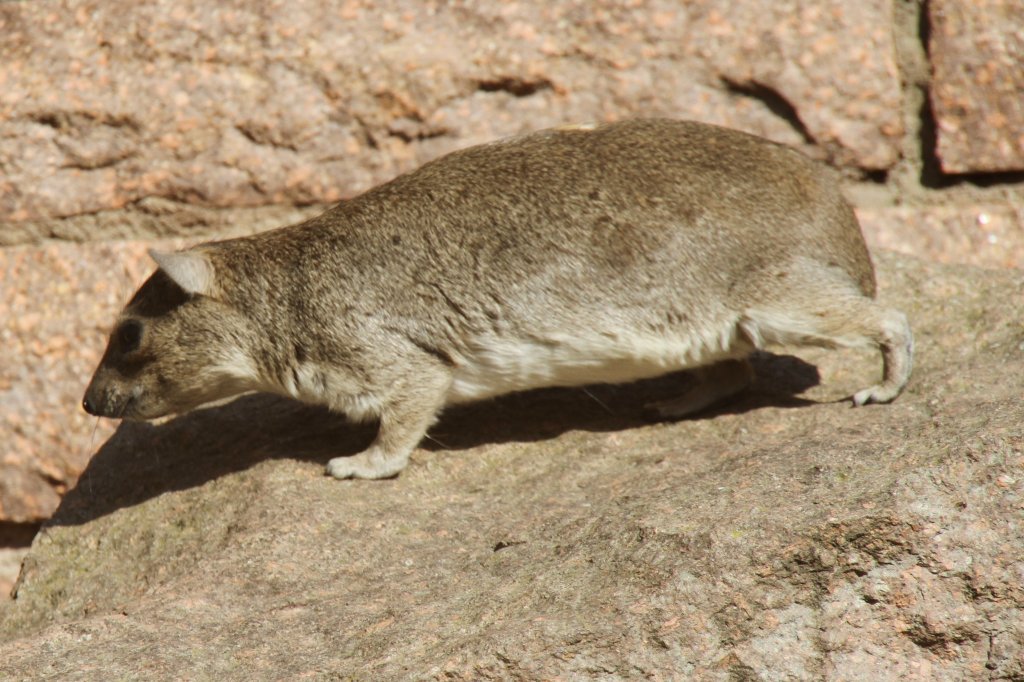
pixel 556 534
pixel 236 104
pixel 977 56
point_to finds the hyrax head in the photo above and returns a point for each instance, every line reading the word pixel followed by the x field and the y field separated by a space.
pixel 177 344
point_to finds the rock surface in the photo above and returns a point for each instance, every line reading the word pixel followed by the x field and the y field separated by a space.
pixel 234 104
pixel 557 534
pixel 985 234
pixel 977 56
pixel 56 304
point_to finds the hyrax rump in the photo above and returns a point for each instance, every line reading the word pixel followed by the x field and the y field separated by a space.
pixel 564 257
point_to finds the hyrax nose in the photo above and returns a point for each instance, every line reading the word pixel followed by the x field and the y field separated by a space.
pixel 94 401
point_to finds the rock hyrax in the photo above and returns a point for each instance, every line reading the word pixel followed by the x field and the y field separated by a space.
pixel 563 257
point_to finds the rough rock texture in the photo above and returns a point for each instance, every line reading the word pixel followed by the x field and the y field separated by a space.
pixel 977 56
pixel 235 103
pixel 555 534
pixel 989 235
pixel 56 305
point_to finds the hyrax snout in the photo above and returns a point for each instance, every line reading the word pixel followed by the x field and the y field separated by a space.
pixel 563 257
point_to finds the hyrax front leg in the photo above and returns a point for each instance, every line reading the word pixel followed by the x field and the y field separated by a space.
pixel 404 420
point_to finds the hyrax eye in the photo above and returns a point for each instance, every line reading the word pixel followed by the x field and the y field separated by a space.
pixel 129 335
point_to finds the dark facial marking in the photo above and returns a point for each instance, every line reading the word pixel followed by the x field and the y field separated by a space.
pixel 128 336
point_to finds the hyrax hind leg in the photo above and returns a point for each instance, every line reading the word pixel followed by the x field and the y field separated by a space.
pixel 889 329
pixel 715 383
pixel 841 318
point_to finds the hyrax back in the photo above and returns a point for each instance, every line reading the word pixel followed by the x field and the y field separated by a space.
pixel 563 257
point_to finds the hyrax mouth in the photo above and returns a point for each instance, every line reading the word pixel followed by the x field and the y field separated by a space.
pixel 108 402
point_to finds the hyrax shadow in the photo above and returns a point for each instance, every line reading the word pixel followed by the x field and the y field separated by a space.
pixel 564 257
pixel 142 460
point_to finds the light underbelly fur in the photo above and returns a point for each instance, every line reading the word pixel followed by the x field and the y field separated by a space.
pixel 501 365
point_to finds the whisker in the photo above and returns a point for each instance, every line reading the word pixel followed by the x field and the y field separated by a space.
pixel 428 436
pixel 92 446
pixel 598 401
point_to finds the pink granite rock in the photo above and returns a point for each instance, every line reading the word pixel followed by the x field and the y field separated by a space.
pixel 833 63
pixel 987 235
pixel 56 304
pixel 235 104
pixel 977 56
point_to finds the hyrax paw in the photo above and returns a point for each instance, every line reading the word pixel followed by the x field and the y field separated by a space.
pixel 876 394
pixel 669 410
pixel 341 467
pixel 360 466
pixel 689 404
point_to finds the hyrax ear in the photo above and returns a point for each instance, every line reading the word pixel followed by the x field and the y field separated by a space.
pixel 190 270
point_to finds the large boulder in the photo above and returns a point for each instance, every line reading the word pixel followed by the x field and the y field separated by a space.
pixel 237 104
pixel 976 49
pixel 558 534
